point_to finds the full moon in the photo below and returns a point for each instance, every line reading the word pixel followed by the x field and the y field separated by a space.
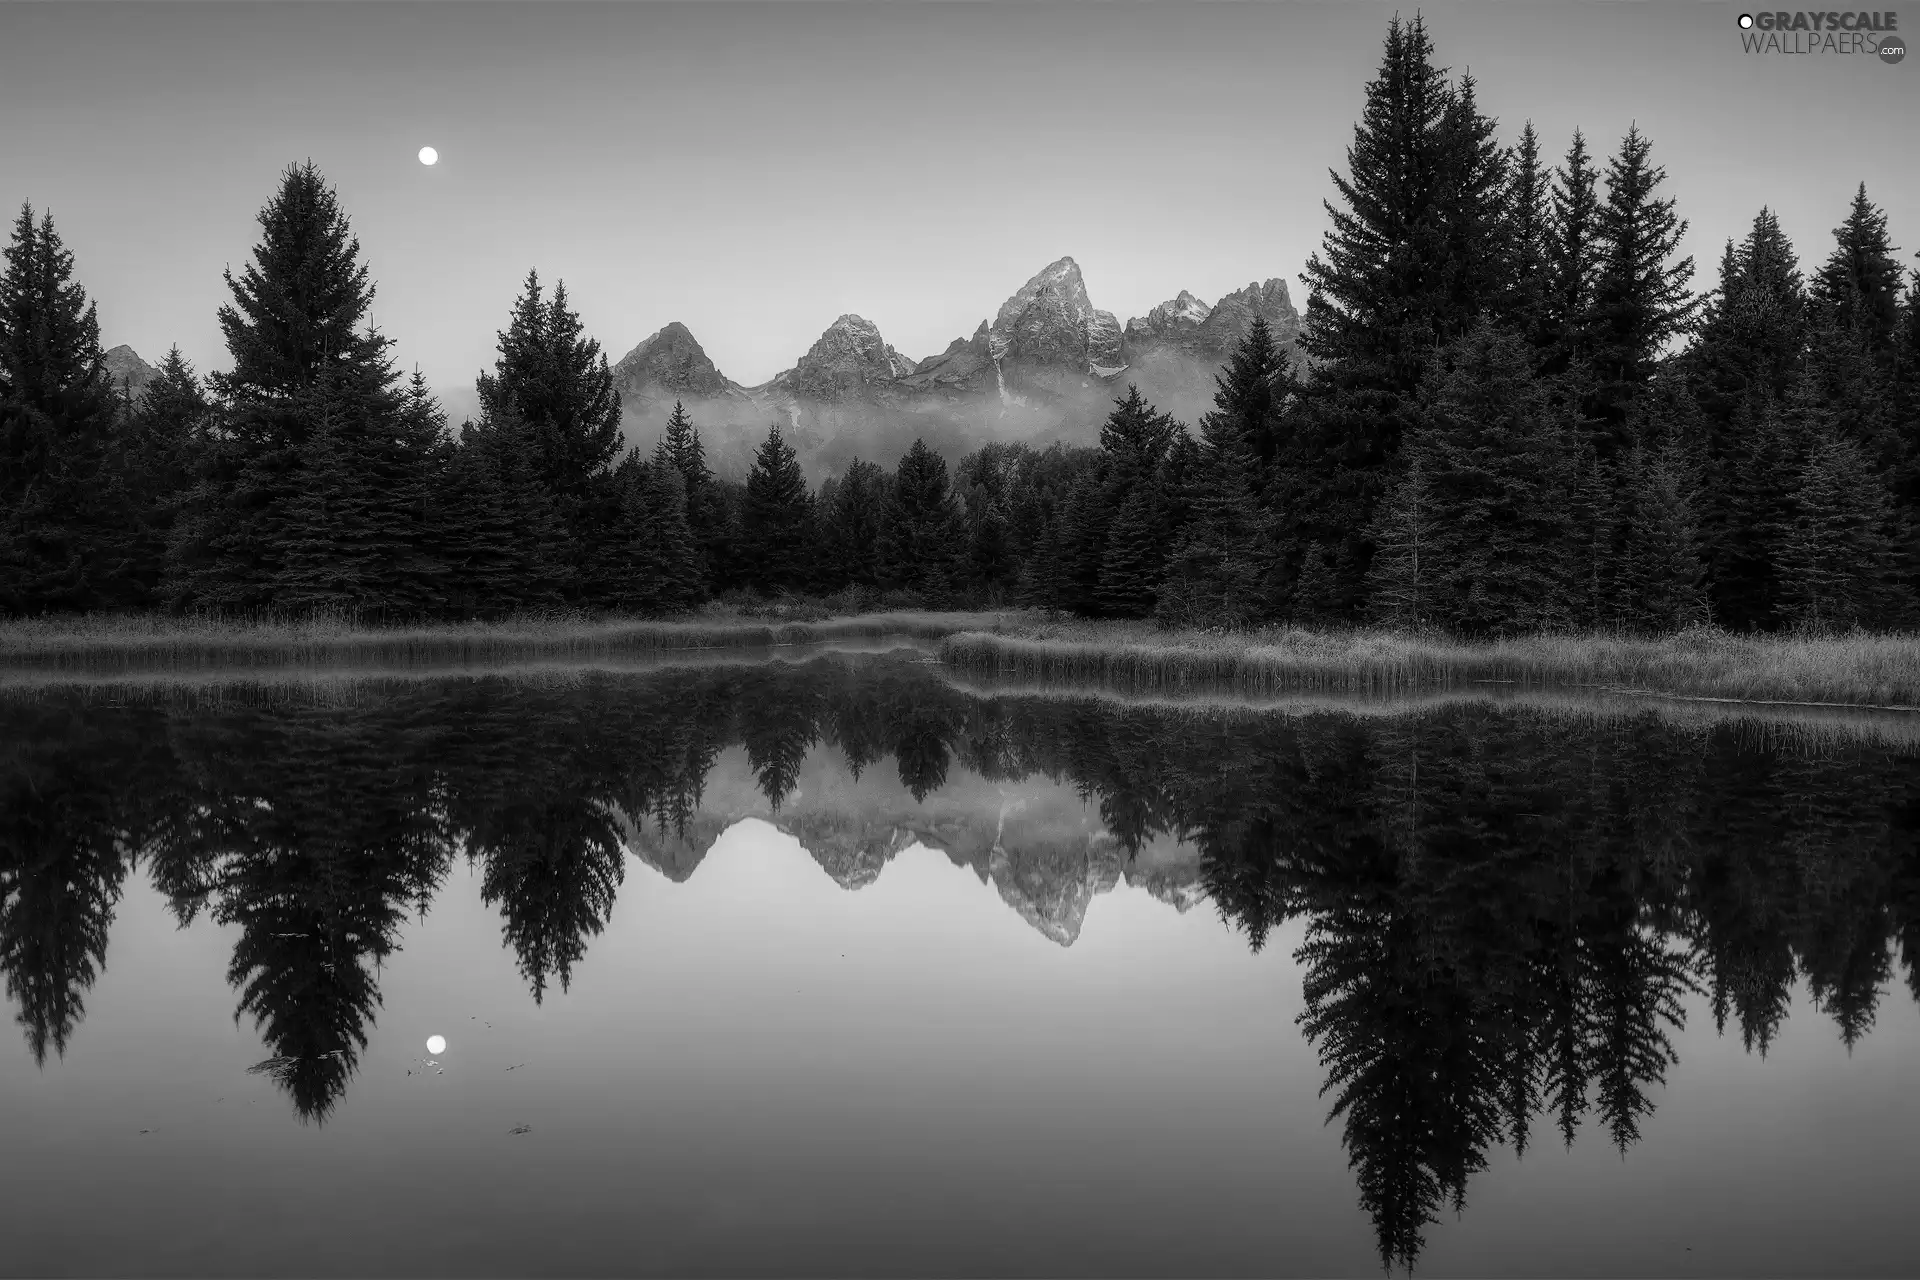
pixel 436 1044
pixel 428 155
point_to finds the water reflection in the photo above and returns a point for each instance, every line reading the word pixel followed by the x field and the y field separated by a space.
pixel 1504 910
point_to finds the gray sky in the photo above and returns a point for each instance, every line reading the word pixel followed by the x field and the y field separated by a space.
pixel 756 170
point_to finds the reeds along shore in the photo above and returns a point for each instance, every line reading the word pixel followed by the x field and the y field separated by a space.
pixel 160 644
pixel 1861 670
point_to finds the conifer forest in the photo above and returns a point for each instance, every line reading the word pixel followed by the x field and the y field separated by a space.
pixel 1513 407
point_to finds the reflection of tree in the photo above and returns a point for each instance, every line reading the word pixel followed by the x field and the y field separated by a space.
pixel 57 894
pixel 1502 912
pixel 1412 1065
pixel 71 818
pixel 324 831
pixel 553 867
pixel 778 721
pixel 1505 915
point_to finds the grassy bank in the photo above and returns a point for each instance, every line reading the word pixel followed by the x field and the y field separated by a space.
pixel 1772 725
pixel 1854 671
pixel 105 645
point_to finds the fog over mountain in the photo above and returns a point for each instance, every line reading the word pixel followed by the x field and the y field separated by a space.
pixel 1045 367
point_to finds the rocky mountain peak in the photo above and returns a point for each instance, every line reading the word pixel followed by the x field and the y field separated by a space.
pixel 1050 321
pixel 1177 315
pixel 670 362
pixel 846 360
pixel 1229 319
pixel 123 364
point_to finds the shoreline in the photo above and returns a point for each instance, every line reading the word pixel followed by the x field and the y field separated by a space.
pixel 1877 673
pixel 1853 673
pixel 160 646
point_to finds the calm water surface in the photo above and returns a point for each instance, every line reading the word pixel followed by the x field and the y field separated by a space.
pixel 832 967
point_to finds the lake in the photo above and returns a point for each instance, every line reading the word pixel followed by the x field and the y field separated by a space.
pixel 836 965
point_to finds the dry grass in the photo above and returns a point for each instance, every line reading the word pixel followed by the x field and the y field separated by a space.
pixel 1802 728
pixel 113 645
pixel 1864 671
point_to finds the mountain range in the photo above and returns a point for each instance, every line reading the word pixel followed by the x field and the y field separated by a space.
pixel 1045 367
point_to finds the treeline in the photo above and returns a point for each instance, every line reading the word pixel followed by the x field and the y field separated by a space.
pixel 1512 413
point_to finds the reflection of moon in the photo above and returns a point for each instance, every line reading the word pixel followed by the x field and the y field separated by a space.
pixel 428 155
pixel 436 1044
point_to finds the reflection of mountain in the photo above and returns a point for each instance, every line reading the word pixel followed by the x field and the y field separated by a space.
pixel 1051 883
pixel 1502 909
pixel 1037 842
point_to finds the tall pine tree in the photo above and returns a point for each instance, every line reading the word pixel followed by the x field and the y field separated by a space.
pixel 1839 563
pixel 59 524
pixel 1857 289
pixel 1415 252
pixel 775 519
pixel 305 366
pixel 921 531
pixel 1493 451
pixel 562 389
pixel 1573 264
pixel 1640 295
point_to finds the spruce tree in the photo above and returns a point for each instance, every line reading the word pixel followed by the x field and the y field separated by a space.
pixel 301 359
pixel 1414 256
pixel 159 447
pixel 562 388
pixel 775 518
pixel 298 305
pixel 1751 506
pixel 505 545
pixel 329 545
pixel 707 514
pixel 1857 289
pixel 1405 528
pixel 1131 563
pixel 1080 544
pixel 1222 567
pixel 1250 399
pixel 1747 365
pixel 852 521
pixel 680 448
pixel 1529 240
pixel 1752 341
pixel 987 482
pixel 1594 539
pixel 1640 296
pixel 1573 263
pixel 59 523
pixel 921 532
pixel 647 561
pixel 1493 448
pixel 359 531
pixel 1133 440
pixel 1659 577
pixel 669 537
pixel 1839 562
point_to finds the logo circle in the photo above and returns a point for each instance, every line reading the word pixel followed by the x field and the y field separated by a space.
pixel 1892 51
pixel 1746 21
